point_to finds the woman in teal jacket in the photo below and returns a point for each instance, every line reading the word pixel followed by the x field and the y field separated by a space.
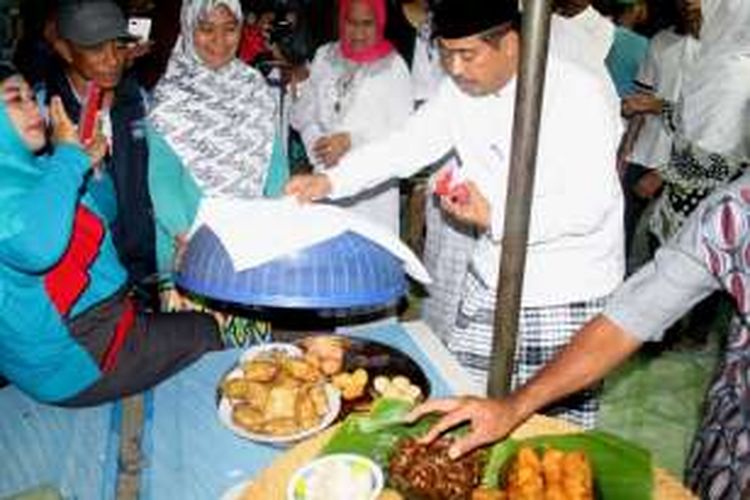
pixel 69 334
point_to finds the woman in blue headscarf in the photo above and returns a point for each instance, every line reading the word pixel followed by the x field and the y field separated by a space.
pixel 69 334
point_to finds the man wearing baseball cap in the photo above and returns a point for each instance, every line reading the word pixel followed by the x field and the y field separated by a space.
pixel 575 253
pixel 92 45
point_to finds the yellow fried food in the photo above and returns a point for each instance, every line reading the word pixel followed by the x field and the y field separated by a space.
pixel 234 388
pixel 281 427
pixel 261 370
pixel 351 385
pixel 319 399
pixel 282 402
pixel 248 417
pixel 328 350
pixel 525 481
pixel 306 414
pixel 302 370
pixel 578 480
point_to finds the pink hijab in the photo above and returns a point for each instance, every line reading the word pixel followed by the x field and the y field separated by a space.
pixel 377 50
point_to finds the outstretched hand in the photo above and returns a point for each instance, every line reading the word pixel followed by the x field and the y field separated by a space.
pixel 308 187
pixel 489 420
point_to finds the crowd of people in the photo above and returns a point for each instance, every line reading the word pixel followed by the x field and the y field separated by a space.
pixel 631 129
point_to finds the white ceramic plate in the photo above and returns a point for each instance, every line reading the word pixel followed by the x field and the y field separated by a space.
pixel 225 405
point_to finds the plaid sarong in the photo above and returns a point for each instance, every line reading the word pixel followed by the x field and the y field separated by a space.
pixel 447 250
pixel 543 331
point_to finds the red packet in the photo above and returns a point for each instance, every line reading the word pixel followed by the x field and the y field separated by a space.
pixel 91 105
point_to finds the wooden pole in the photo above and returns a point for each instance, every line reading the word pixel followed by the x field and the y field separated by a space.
pixel 529 93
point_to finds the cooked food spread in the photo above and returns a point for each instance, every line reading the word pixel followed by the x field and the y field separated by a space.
pixel 426 472
pixel 276 394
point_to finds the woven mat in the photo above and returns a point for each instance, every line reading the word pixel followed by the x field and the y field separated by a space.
pixel 271 483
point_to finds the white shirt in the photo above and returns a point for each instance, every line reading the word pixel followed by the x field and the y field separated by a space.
pixel 576 249
pixel 376 100
pixel 669 55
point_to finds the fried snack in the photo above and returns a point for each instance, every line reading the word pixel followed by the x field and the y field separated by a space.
pixel 302 370
pixel 578 480
pixel 557 476
pixel 248 417
pixel 328 350
pixel 398 387
pixel 276 394
pixel 352 385
pixel 261 370
pixel 319 398
pixel 525 479
pixel 305 413
pixel 281 427
pixel 235 388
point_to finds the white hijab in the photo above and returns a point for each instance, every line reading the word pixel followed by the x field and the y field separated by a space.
pixel 220 122
pixel 716 92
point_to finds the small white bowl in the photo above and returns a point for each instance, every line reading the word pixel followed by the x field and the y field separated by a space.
pixel 341 476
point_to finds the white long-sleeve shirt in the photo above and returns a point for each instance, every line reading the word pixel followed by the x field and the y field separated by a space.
pixel 377 100
pixel 575 249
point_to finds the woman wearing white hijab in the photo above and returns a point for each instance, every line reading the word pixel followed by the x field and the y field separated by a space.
pixel 216 112
pixel 711 121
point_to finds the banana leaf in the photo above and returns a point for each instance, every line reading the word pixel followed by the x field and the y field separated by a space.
pixel 376 434
pixel 622 470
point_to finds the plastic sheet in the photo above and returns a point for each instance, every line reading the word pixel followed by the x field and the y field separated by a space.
pixel 73 451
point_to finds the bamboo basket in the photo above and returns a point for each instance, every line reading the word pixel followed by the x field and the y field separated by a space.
pixel 272 482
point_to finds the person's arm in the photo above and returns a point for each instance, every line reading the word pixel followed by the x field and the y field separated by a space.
pixel 423 138
pixel 46 212
pixel 640 310
pixel 595 351
pixel 304 111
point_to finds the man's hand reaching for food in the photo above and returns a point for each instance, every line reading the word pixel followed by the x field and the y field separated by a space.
pixel 489 419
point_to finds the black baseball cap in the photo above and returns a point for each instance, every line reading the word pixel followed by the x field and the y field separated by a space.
pixel 91 22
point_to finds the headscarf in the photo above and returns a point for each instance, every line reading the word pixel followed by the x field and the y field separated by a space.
pixel 716 92
pixel 377 50
pixel 18 171
pixel 220 122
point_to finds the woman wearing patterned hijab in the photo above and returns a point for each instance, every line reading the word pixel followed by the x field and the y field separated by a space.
pixel 358 91
pixel 219 116
pixel 217 113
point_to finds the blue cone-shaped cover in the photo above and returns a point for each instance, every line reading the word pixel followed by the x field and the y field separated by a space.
pixel 342 272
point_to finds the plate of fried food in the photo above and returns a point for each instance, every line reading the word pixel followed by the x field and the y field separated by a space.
pixel 365 371
pixel 285 392
pixel 274 395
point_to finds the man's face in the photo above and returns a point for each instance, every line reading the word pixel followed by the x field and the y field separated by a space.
pixel 690 17
pixel 102 64
pixel 217 36
pixel 23 112
pixel 570 8
pixel 360 26
pixel 480 67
